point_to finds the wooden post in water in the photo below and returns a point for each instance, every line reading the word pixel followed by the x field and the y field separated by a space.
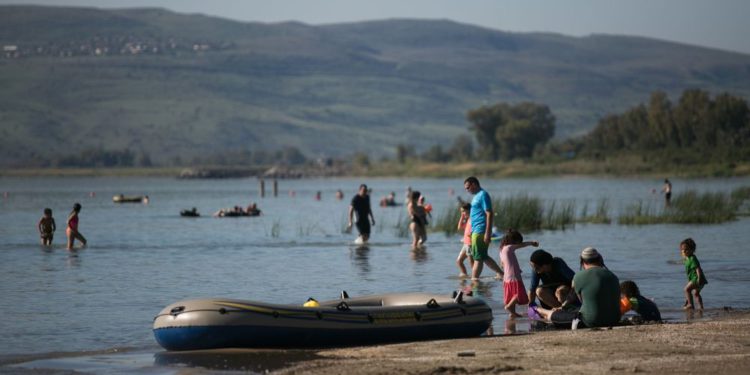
pixel 262 188
pixel 275 188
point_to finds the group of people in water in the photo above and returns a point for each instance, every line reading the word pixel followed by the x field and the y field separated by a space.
pixel 592 297
pixel 251 210
pixel 47 227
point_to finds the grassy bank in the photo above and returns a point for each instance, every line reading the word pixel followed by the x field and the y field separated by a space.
pixel 623 166
pixel 92 172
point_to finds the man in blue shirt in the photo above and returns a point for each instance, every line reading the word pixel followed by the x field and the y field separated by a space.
pixel 481 227
pixel 551 280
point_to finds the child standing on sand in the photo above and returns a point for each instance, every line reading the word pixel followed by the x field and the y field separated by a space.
pixel 515 291
pixel 47 227
pixel 696 278
pixel 464 223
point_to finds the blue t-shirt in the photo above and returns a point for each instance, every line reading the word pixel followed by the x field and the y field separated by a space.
pixel 479 204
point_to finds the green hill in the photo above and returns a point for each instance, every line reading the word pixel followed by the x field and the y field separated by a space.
pixel 169 84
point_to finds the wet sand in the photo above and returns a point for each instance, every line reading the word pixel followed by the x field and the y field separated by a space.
pixel 720 344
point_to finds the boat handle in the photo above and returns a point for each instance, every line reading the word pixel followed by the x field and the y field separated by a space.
pixel 432 304
pixel 177 310
pixel 459 298
pixel 343 306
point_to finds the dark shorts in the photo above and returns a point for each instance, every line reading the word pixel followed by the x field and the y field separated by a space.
pixel 564 318
pixel 363 226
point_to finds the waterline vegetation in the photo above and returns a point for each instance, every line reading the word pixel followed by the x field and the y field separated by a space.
pixel 528 213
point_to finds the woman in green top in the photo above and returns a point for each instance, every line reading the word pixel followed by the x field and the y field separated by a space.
pixel 696 277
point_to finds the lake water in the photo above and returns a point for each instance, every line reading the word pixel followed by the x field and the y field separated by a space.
pixel 140 258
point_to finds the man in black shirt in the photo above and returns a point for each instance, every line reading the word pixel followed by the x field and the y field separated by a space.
pixel 361 205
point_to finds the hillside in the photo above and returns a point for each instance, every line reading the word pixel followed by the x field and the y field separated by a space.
pixel 171 85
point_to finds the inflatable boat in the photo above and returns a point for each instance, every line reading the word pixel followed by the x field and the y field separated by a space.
pixel 230 323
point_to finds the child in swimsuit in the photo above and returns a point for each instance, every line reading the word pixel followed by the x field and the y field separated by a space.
pixel 72 229
pixel 514 290
pixel 47 227
pixel 696 278
pixel 464 224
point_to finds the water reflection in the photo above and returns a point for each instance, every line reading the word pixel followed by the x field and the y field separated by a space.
pixel 253 360
pixel 361 256
pixel 73 260
pixel 419 254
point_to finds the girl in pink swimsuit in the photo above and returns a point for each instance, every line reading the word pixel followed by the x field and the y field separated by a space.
pixel 72 229
pixel 513 288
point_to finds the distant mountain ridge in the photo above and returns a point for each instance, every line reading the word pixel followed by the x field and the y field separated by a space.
pixel 174 85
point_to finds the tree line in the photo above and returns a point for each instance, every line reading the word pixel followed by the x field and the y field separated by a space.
pixel 695 129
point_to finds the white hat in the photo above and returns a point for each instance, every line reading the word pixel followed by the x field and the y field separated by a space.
pixel 590 253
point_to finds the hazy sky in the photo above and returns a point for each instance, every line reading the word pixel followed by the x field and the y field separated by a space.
pixel 714 23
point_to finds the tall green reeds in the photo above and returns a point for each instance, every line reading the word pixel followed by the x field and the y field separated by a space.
pixel 688 207
pixel 402 226
pixel 447 221
pixel 600 215
pixel 520 212
pixel 559 216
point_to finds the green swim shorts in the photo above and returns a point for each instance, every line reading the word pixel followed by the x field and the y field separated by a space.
pixel 478 247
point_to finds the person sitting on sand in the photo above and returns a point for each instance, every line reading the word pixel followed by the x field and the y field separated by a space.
pixel 597 288
pixel 631 299
pixel 555 277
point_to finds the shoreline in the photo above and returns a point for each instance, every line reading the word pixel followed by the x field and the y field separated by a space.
pixel 718 342
pixel 512 169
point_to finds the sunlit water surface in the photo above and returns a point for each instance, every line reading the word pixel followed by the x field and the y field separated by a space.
pixel 143 257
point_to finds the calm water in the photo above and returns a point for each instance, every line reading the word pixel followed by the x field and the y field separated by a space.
pixel 143 257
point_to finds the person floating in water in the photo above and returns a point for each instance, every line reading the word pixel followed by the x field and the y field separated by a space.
pixel 72 228
pixel 361 205
pixel 47 227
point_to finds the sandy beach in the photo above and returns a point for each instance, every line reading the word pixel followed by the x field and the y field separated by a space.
pixel 719 344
